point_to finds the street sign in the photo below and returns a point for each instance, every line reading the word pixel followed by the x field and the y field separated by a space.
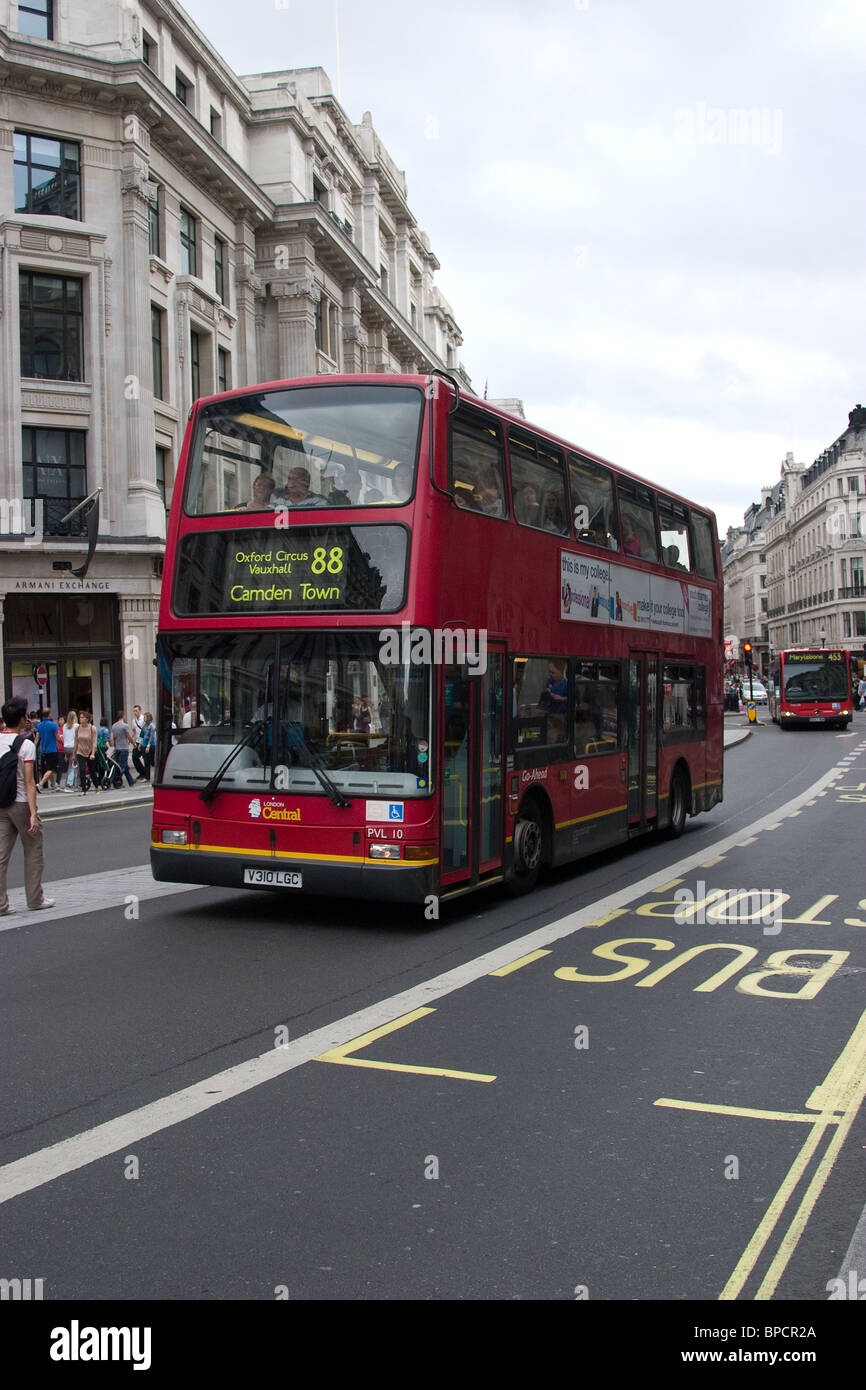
pixel 41 674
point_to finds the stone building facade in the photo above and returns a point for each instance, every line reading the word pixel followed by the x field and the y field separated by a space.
pixel 810 529
pixel 167 229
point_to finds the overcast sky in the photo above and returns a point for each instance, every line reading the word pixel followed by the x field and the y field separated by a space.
pixel 657 281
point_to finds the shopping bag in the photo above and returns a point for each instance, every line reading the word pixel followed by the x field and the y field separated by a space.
pixel 70 777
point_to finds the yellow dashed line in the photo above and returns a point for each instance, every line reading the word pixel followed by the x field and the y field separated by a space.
pixel 519 963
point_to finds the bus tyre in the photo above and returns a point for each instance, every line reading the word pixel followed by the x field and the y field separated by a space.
pixel 679 799
pixel 528 846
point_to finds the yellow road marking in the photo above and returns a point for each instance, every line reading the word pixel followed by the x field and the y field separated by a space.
pixel 663 887
pixel 609 917
pixel 751 840
pixel 519 963
pixel 342 1055
pixel 743 1110
pixel 711 863
pixel 843 1089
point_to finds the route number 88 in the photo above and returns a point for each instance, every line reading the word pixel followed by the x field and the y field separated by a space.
pixel 334 562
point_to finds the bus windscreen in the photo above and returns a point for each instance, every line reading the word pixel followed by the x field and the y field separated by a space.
pixel 811 676
pixel 301 448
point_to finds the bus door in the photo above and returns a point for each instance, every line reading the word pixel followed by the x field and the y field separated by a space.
pixel 472 782
pixel 642 724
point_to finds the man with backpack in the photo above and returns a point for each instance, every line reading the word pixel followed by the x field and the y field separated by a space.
pixel 18 813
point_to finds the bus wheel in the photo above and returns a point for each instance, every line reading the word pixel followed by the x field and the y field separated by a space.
pixel 528 845
pixel 679 798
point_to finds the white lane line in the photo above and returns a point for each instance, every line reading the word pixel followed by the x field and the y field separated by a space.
pixel 91 893
pixel 45 1165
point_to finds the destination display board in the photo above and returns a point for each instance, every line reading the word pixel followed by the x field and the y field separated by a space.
pixel 315 569
pixel 810 658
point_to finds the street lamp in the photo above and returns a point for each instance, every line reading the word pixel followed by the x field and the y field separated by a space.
pixel 823 635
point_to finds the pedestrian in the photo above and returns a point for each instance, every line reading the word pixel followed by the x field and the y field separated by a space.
pixel 21 818
pixel 70 726
pixel 146 748
pixel 861 691
pixel 86 740
pixel 137 721
pixel 122 739
pixel 49 743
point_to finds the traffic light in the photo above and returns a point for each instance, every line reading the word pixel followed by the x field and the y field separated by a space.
pixel 747 655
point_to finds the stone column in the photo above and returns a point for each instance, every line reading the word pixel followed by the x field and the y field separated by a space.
pixel 138 622
pixel 145 514
pixel 354 334
pixel 296 326
pixel 248 287
pixel 400 293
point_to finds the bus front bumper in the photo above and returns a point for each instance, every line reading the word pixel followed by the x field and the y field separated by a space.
pixel 385 882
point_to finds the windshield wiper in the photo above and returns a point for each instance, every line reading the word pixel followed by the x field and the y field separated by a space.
pixel 209 790
pixel 312 761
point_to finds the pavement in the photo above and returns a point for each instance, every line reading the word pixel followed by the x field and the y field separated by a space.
pixel 62 803
pixel 737 728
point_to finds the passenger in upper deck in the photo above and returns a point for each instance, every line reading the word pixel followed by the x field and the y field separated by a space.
pixel 402 479
pixel 297 491
pixel 492 502
pixel 260 500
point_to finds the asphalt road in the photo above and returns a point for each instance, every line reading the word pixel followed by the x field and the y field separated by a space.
pixel 605 1121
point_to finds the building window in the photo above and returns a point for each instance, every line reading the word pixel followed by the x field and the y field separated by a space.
pixel 188 243
pixel 148 52
pixel 156 350
pixel 36 18
pixel 383 280
pixel 52 326
pixel 47 176
pixel 327 337
pixel 219 262
pixel 413 315
pixel 853 484
pixel 154 224
pixel 216 124
pixel 162 475
pixel 182 87
pixel 195 364
pixel 858 577
pixel 858 619
pixel 55 474
pixel 223 370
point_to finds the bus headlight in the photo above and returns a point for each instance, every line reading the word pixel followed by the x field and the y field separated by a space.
pixel 384 851
pixel 172 837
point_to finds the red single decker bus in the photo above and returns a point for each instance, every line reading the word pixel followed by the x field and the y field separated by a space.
pixel 811 685
pixel 410 645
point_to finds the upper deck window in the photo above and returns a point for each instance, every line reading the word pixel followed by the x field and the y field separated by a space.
pixel 306 447
pixel 674 532
pixel 637 509
pixel 593 507
pixel 705 550
pixel 538 483
pixel 477 465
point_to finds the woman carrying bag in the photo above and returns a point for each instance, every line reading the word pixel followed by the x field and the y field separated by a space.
pixel 85 753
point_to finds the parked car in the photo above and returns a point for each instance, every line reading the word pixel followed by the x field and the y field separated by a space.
pixel 759 692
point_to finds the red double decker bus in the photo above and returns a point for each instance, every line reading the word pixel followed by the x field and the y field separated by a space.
pixel 411 645
pixel 811 685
